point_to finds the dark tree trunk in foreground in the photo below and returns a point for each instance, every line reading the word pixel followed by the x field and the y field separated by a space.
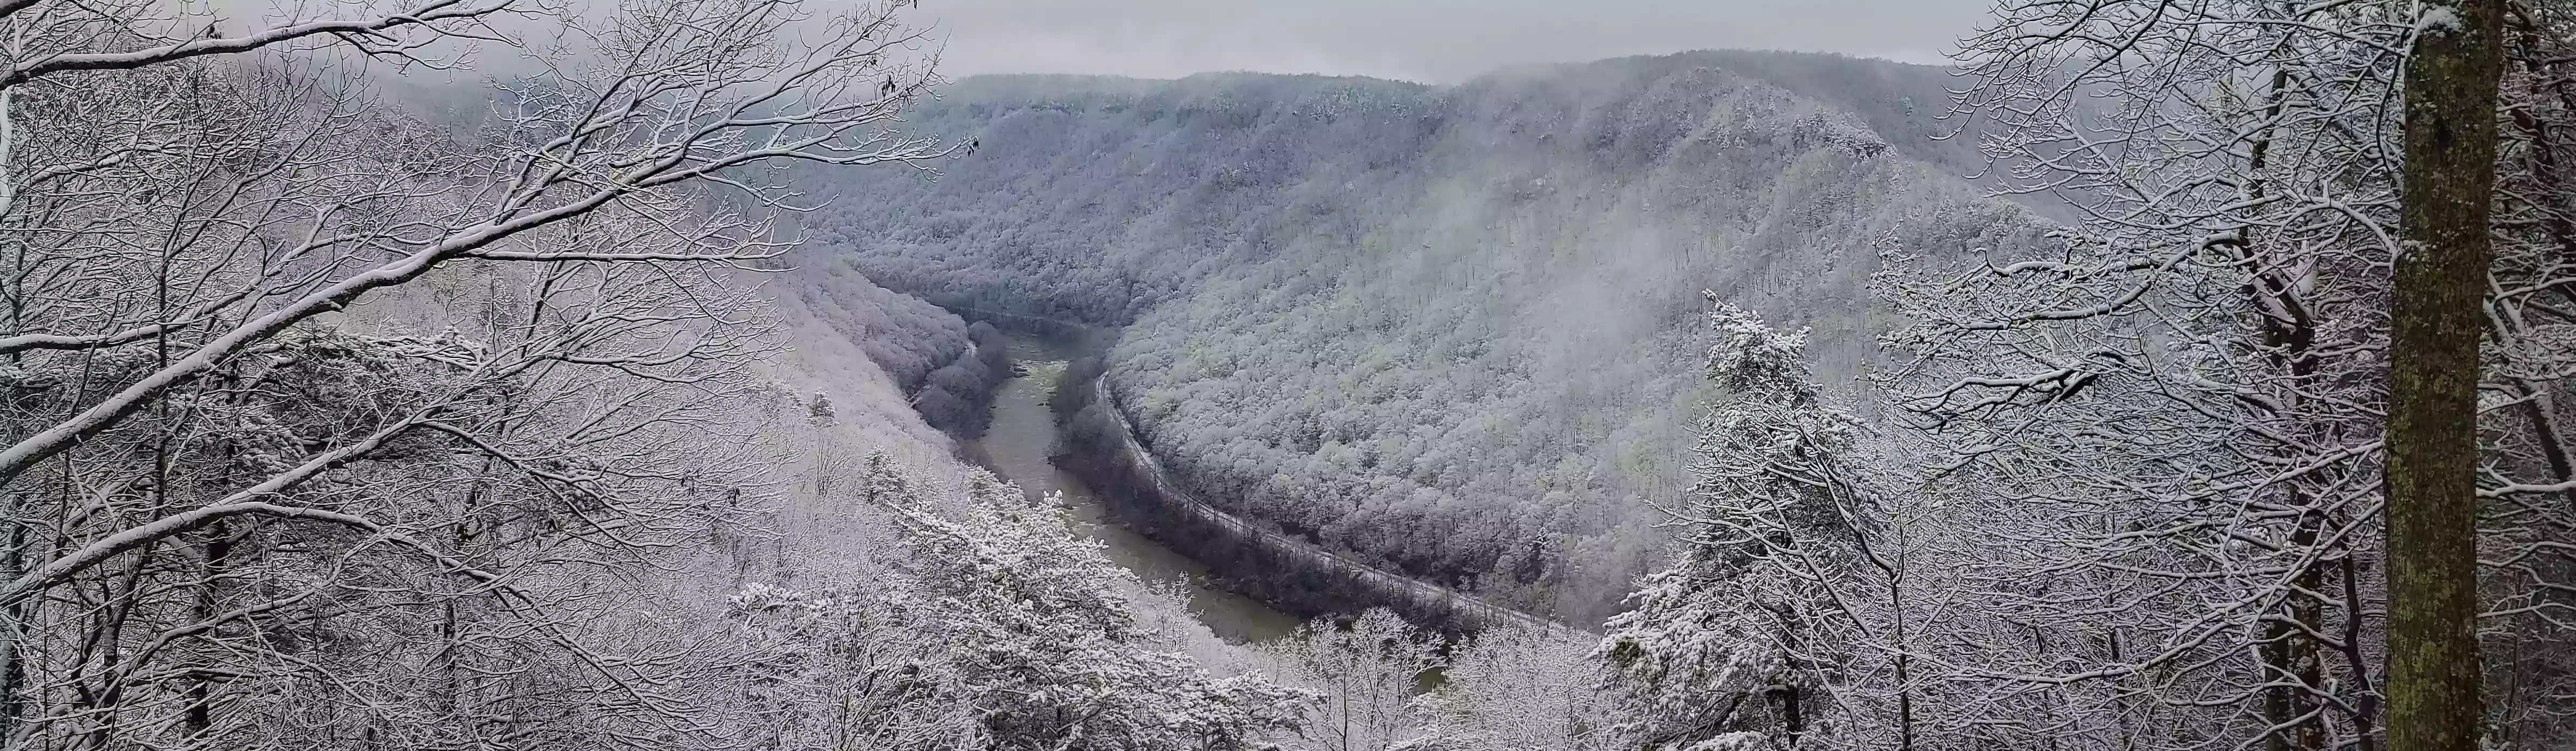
pixel 2441 279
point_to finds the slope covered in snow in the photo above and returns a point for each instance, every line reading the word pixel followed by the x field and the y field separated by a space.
pixel 1447 329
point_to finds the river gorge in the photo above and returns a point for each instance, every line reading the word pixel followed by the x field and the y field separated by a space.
pixel 1016 447
pixel 1246 580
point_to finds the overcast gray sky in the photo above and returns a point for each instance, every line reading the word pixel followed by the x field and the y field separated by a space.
pixel 1421 40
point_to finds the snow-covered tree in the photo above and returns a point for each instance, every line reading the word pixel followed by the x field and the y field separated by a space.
pixel 1512 688
pixel 2528 481
pixel 329 426
pixel 850 669
pixel 1037 623
pixel 1783 616
pixel 2164 435
pixel 2171 420
pixel 1368 668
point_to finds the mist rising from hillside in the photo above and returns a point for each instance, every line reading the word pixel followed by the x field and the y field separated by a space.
pixel 1452 329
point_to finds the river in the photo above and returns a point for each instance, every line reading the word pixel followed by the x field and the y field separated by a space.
pixel 1016 448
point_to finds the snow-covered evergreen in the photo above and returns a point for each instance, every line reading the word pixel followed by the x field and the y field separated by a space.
pixel 614 411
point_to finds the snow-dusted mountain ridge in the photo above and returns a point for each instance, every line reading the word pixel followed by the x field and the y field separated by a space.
pixel 1450 329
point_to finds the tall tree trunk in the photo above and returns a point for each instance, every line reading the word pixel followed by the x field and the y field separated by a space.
pixel 2436 320
pixel 200 716
pixel 2291 658
pixel 13 617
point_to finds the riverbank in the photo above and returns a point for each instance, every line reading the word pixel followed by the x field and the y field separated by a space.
pixel 1101 446
pixel 1065 433
pixel 1016 445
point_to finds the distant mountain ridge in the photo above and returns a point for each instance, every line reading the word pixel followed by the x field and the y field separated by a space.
pixel 1448 329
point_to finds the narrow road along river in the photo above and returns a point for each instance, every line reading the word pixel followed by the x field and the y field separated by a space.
pixel 1016 447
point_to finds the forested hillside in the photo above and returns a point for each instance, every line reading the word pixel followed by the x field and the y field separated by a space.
pixel 524 415
pixel 943 367
pixel 333 426
pixel 1453 329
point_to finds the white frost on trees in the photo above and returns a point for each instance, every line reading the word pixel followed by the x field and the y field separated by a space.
pixel 1035 621
pixel 1783 617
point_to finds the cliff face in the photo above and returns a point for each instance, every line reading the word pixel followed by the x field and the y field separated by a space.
pixel 1452 330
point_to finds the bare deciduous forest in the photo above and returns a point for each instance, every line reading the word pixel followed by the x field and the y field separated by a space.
pixel 2155 375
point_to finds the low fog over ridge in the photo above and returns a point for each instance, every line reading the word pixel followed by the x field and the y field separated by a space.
pixel 708 375
pixel 1448 328
pixel 1436 41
